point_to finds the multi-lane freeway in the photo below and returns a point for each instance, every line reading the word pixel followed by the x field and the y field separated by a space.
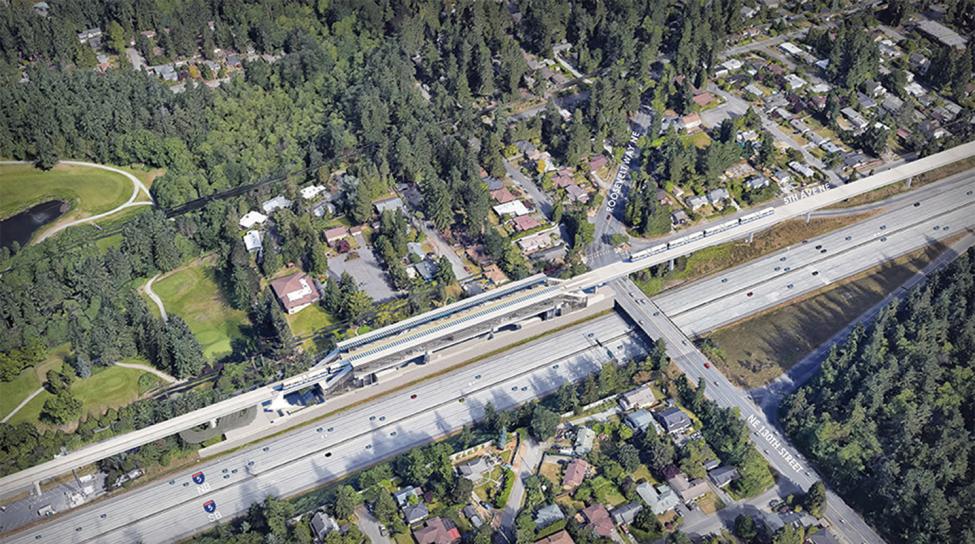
pixel 348 441
pixel 785 459
pixel 769 281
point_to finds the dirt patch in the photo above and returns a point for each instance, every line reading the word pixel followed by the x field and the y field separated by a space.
pixel 756 351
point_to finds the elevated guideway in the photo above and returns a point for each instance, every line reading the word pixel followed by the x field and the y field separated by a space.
pixel 389 347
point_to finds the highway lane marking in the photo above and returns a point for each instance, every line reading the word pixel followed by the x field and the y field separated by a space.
pixel 586 367
pixel 811 265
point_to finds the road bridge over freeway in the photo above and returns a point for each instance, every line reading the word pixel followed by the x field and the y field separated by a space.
pixel 379 349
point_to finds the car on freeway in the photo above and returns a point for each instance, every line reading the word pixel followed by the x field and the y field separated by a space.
pixel 707 365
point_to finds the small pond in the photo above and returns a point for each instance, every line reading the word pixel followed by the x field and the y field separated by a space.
pixel 19 228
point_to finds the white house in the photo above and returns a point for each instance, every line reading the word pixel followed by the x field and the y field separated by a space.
pixel 252 240
pixel 311 191
pixel 515 207
pixel 252 218
pixel 275 203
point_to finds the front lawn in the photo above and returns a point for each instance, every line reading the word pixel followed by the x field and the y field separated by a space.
pixel 193 294
pixel 307 322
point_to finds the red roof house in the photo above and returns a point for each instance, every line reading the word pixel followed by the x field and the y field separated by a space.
pixel 437 531
pixel 295 292
pixel 525 222
pixel 599 519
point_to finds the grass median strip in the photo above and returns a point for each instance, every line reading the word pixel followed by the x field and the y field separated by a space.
pixel 757 350
pixel 728 255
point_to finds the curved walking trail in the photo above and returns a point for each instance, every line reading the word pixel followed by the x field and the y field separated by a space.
pixel 22 404
pixel 137 187
pixel 150 369
pixel 155 298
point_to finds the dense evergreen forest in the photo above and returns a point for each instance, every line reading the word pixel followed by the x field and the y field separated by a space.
pixel 891 415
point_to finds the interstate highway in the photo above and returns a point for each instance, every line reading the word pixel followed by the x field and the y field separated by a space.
pixel 785 459
pixel 166 510
pixel 769 281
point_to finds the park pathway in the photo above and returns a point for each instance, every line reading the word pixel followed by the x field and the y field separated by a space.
pixel 151 370
pixel 155 298
pixel 137 187
pixel 22 404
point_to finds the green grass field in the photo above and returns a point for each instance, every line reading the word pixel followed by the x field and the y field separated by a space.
pixel 108 387
pixel 307 322
pixel 759 349
pixel 89 190
pixel 16 390
pixel 193 294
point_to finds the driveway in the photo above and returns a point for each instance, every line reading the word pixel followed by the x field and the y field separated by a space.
pixel 443 248
pixel 370 525
pixel 544 201
pixel 527 460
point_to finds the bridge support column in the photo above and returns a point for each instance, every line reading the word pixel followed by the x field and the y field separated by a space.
pixel 910 180
pixel 751 236
pixel 671 264
pixel 37 488
pixel 808 216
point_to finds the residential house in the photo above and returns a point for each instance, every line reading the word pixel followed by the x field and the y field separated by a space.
pixel 625 514
pixel 821 89
pixel 794 82
pixel 276 203
pixel 690 122
pixel 335 234
pixel 471 513
pixel 640 397
pixel 799 126
pixel 754 90
pixel 475 469
pixel 437 531
pixel 524 223
pixel 312 191
pixel 390 204
pixel 689 491
pixel 756 183
pixel 932 130
pixel 584 440
pixel 723 476
pixel 815 138
pixel 535 242
pixel 915 89
pixel 477 255
pixel 528 150
pixel 679 217
pixel 41 9
pixel 87 35
pixel 598 162
pixel 696 202
pixel 252 218
pixel 597 517
pixel 856 120
pixel 660 499
pixel 673 419
pixel 426 269
pixel 548 515
pixel 831 147
pixel 821 537
pixel 711 464
pixel 563 179
pixel 939 32
pixel 413 513
pixel 252 241
pixel 295 292
pixel 494 274
pixel 322 524
pixel 416 248
pixel 731 65
pixel 866 102
pixel 739 170
pixel 502 195
pixel 576 193
pixel 802 169
pixel 165 72
pixel 873 88
pixel 561 537
pixel 717 196
pixel 515 207
pixel 702 98
pixel 406 495
pixel 782 177
pixel 639 420
pixel 575 473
